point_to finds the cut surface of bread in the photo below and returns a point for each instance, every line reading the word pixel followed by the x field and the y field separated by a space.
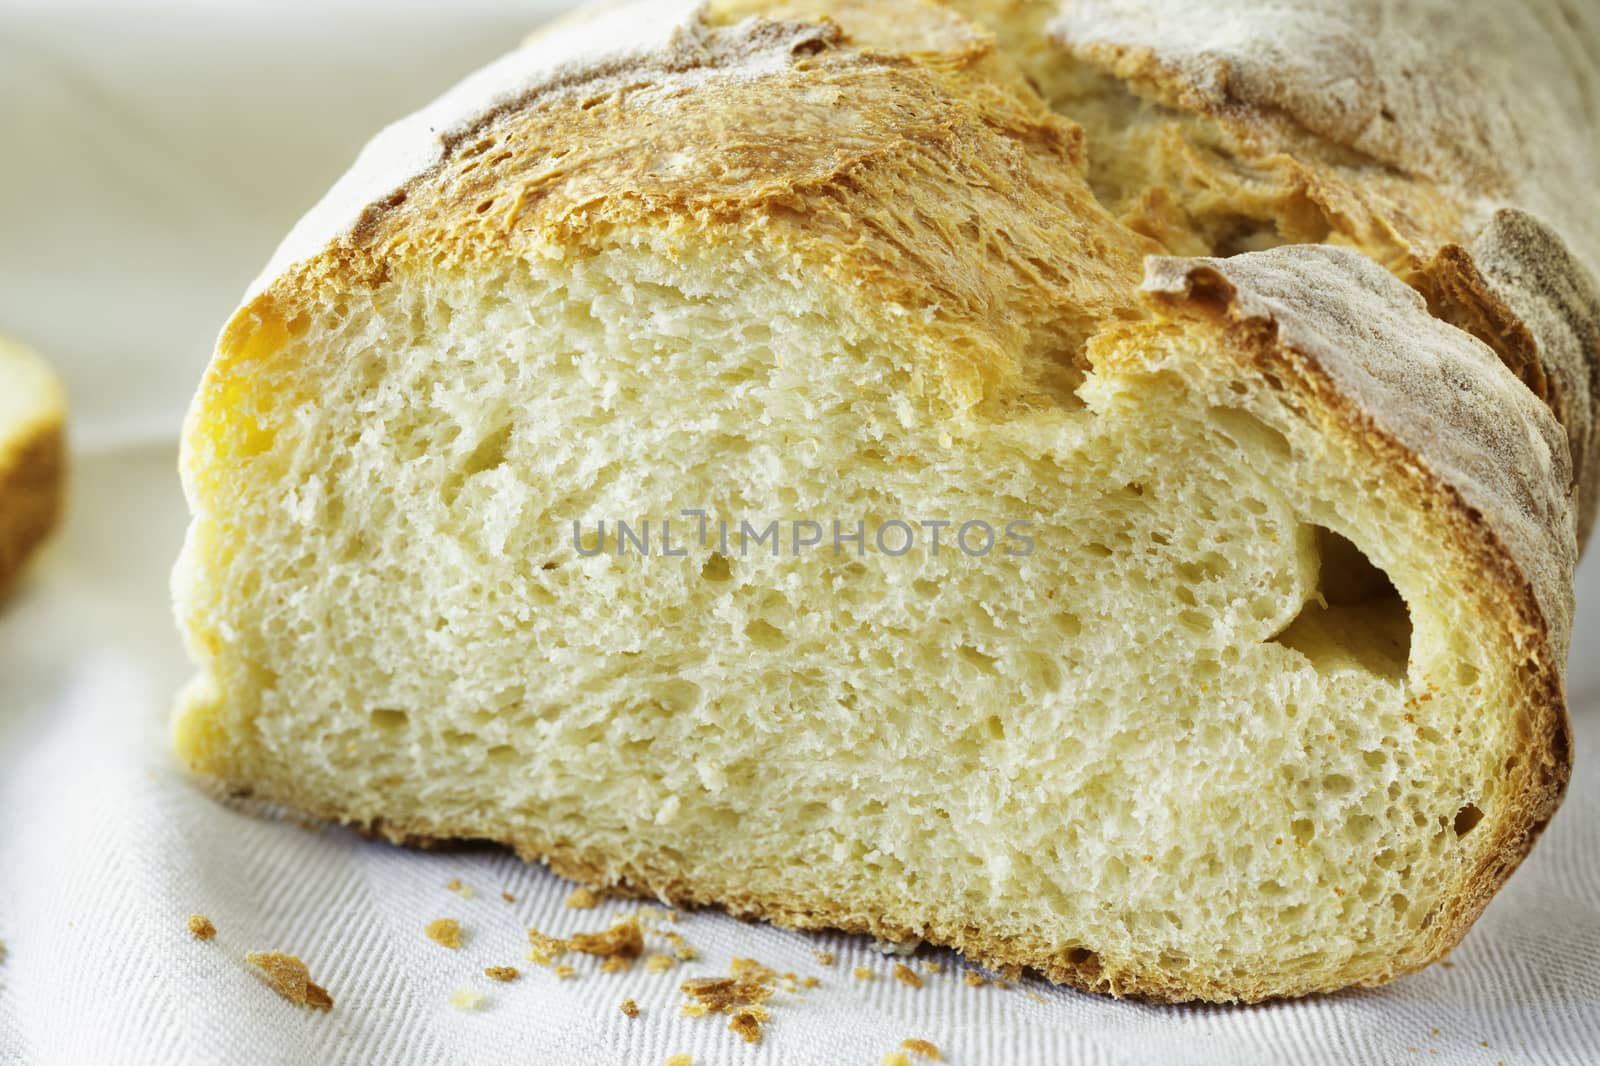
pixel 32 457
pixel 1237 672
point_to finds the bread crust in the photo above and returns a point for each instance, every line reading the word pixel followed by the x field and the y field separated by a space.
pixel 32 487
pixel 1460 176
pixel 547 164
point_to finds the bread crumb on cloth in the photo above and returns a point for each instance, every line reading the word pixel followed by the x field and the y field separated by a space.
pixel 445 932
pixel 748 1025
pixel 545 949
pixel 467 998
pixel 501 973
pixel 201 928
pixel 290 979
pixel 624 939
pixel 582 899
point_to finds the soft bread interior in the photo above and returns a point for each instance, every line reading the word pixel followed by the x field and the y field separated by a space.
pixel 1221 721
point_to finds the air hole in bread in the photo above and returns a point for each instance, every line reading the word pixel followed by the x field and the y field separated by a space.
pixel 1244 234
pixel 1467 819
pixel 489 453
pixel 388 719
pixel 984 663
pixel 716 568
pixel 1083 958
pixel 1356 617
pixel 764 634
pixel 1250 433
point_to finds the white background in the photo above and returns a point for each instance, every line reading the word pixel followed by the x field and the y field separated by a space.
pixel 151 156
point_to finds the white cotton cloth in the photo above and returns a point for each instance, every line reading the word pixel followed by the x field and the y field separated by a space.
pixel 154 154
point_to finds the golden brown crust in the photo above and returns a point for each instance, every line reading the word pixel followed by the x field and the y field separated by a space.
pixel 32 493
pixel 871 150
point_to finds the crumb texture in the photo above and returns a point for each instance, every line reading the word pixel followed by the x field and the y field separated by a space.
pixel 1252 689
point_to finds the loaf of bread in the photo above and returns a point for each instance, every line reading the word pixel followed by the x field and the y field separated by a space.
pixel 1069 489
pixel 32 457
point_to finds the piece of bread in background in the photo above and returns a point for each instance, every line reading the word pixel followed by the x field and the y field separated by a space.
pixel 1276 706
pixel 32 456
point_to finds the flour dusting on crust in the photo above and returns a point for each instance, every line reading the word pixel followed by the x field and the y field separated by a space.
pixel 1437 390
pixel 648 41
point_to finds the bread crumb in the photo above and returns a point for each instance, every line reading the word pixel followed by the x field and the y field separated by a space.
pixel 933 967
pixel 508 897
pixel 616 964
pixel 201 928
pixel 741 994
pixel 747 1025
pixel 623 939
pixel 659 963
pixel 751 970
pixel 565 972
pixel 630 1008
pixel 445 932
pixel 824 957
pixel 862 973
pixel 582 899
pixel 681 949
pixel 290 979
pixel 501 973
pixel 906 975
pixel 467 998
pixel 922 1048
pixel 810 982
pixel 974 979
pixel 679 1060
pixel 654 916
pixel 545 949
pixel 895 1058
pixel 464 891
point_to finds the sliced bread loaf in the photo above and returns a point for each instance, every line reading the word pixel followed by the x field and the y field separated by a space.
pixel 1193 629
